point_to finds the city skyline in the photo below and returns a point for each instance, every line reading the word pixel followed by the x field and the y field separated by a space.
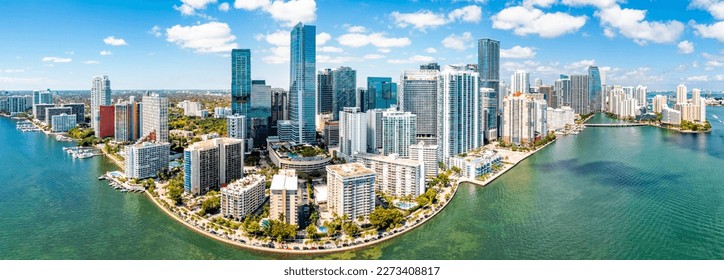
pixel 378 39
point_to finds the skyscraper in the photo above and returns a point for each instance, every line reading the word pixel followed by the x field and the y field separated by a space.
pixel 155 118
pixel 520 82
pixel 459 112
pixel 235 126
pixel 344 88
pixel 562 89
pixel 594 89
pixel 127 120
pixel 352 132
pixel 260 112
pixel 681 94
pixel 100 96
pixel 381 93
pixel 324 91
pixel 279 109
pixel 579 94
pixel 398 132
pixel 419 92
pixel 489 70
pixel 212 163
pixel 302 68
pixel 525 119
pixel 241 84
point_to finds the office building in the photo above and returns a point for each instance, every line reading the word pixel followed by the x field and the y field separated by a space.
pixel 100 96
pixel 331 133
pixel 155 118
pixel 78 109
pixel 212 163
pixel 419 90
pixel 350 190
pixel 460 113
pixel 146 159
pixel 344 88
pixel 242 197
pixel 579 94
pixel 352 132
pixel 394 175
pixel 284 197
pixel 324 92
pixel 595 96
pixel 398 132
pixel 260 112
pixel 302 68
pixel 106 121
pixel 62 122
pixel 279 109
pixel 241 84
pixel 381 93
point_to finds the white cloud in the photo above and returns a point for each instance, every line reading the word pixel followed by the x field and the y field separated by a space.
pixel 91 62
pixel 13 70
pixel 356 29
pixel 714 63
pixel 518 52
pixel 539 3
pixel 156 31
pixel 424 19
pixel 54 59
pixel 106 52
pixel 384 50
pixel 212 37
pixel 456 42
pixel 335 59
pixel 189 7
pixel 413 59
pixel 528 20
pixel 580 65
pixel 70 52
pixel 702 78
pixel 714 7
pixel 714 31
pixel 279 38
pixel 609 33
pixel 330 49
pixel 374 56
pixel 279 55
pixel 596 3
pixel 379 40
pixel 430 50
pixel 224 7
pixel 631 23
pixel 288 12
pixel 113 41
pixel 686 47
pixel 322 38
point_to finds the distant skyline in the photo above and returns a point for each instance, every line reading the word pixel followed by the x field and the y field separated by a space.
pixel 186 44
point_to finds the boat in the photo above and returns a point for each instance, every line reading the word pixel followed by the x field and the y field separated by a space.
pixel 715 117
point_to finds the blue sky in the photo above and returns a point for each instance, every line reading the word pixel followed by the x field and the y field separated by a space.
pixel 185 44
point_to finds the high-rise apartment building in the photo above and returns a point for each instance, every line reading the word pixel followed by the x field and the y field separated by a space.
pixel 107 121
pixel 524 119
pixel 100 96
pixel 62 122
pixel 398 132
pixel 520 82
pixel 595 96
pixel 302 84
pixel 352 132
pixel 374 130
pixel 350 190
pixel 54 111
pixel 562 88
pixel 489 70
pixel 242 197
pixel 284 197
pixel 241 84
pixel 236 127
pixel 146 159
pixel 78 110
pixel 155 118
pixel 681 94
pixel 460 112
pixel 212 163
pixel 127 121
pixel 396 176
pixel 579 94
pixel 427 154
pixel 260 112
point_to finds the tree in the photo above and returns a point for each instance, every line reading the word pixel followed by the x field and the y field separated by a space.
pixel 350 228
pixel 211 205
pixel 383 218
pixel 311 232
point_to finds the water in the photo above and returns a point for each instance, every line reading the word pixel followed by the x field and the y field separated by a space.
pixel 607 193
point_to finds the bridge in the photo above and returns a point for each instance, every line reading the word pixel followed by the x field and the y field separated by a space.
pixel 613 124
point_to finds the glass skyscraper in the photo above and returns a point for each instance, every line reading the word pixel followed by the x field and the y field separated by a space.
pixel 344 90
pixel 594 88
pixel 324 91
pixel 419 96
pixel 489 70
pixel 381 93
pixel 302 70
pixel 241 84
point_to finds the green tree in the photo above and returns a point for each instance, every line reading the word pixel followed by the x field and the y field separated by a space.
pixel 383 218
pixel 350 228
pixel 311 232
pixel 211 205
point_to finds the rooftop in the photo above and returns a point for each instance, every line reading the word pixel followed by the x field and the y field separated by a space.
pixel 285 180
pixel 392 158
pixel 246 182
pixel 350 170
pixel 213 143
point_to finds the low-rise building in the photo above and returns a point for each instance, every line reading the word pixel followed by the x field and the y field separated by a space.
pixel 351 190
pixel 285 155
pixel 242 197
pixel 284 197
pixel 474 166
pixel 670 116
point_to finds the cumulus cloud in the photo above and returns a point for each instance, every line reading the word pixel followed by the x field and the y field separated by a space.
pixel 329 49
pixel 288 12
pixel 713 31
pixel 528 20
pixel 322 38
pixel 686 47
pixel 456 42
pixel 580 65
pixel 106 52
pixel 631 23
pixel 155 31
pixel 596 3
pixel 373 56
pixel 54 59
pixel 430 50
pixel 189 7
pixel 279 55
pixel 412 59
pixel 714 7
pixel 91 62
pixel 518 52
pixel 224 7
pixel 278 38
pixel 113 41
pixel 212 37
pixel 379 40
pixel 356 29
pixel 425 19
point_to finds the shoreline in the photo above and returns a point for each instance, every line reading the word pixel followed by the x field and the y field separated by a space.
pixel 505 169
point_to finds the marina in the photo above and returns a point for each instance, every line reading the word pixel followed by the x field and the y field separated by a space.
pixel 82 152
pixel 27 126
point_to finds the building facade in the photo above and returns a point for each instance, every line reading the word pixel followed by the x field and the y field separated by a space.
pixel 352 132
pixel 78 109
pixel 284 197
pixel 241 84
pixel 460 113
pixel 489 70
pixel 242 197
pixel 212 163
pixel 155 118
pixel 427 154
pixel 107 121
pixel 302 84
pixel 398 132
pixel 350 190
pixel 524 119
pixel 62 122
pixel 344 89
pixel 381 93
pixel 100 96
pixel 146 159
pixel 419 95
pixel 396 176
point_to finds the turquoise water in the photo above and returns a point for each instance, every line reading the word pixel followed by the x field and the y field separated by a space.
pixel 607 193
pixel 404 205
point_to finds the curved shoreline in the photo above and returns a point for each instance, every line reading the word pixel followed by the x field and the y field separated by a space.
pixel 302 252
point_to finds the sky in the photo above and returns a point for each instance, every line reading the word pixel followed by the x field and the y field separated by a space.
pixel 185 44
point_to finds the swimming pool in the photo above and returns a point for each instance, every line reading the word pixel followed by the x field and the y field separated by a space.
pixel 404 205
pixel 322 229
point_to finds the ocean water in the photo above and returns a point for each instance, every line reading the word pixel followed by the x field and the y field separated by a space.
pixel 607 193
